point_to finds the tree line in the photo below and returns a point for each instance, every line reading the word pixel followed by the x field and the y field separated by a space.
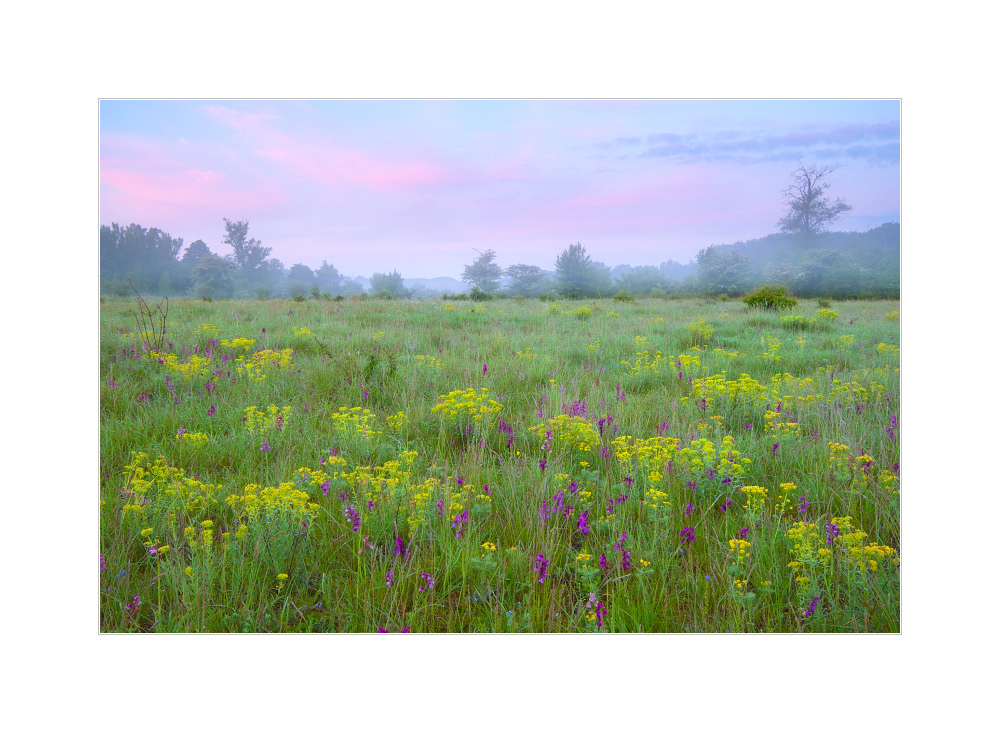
pixel 803 256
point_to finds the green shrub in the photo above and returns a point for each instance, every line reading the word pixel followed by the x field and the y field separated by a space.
pixel 623 297
pixel 547 298
pixel 479 295
pixel 827 315
pixel 770 297
pixel 823 302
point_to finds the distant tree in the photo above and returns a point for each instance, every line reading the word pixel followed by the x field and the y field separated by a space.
pixel 248 253
pixel 302 274
pixel 327 278
pixel 527 280
pixel 194 252
pixel 484 273
pixel 212 277
pixel 642 280
pixel 138 254
pixel 809 210
pixel 723 272
pixel 577 276
pixel 389 284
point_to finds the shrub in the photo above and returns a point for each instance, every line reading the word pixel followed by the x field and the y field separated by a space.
pixel 314 292
pixel 623 297
pixel 479 295
pixel 263 292
pixel 723 298
pixel 299 298
pixel 701 332
pixel 339 298
pixel 823 302
pixel 827 315
pixel 547 298
pixel 770 297
pixel 583 313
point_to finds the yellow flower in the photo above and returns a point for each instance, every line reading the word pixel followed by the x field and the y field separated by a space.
pixel 489 546
pixel 189 571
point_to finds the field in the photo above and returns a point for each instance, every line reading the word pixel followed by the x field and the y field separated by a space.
pixel 512 465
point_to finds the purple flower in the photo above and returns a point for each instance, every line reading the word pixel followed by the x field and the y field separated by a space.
pixel 426 577
pixel 133 607
pixel 439 505
pixel 541 464
pixel 687 534
pixel 832 532
pixel 389 578
pixel 664 427
pixel 401 548
pixel 541 563
pixel 484 370
pixel 600 612
pixel 180 432
pixel 774 450
pixel 111 384
pixel 486 490
pixel 688 508
pixel 803 505
pixel 812 607
pixel 211 410
pixel 265 448
pixel 744 531
pixel 603 561
pixel 725 505
pixel 581 524
pixel 326 488
pixel 693 485
pixel 626 560
pixel 605 452
pixel 381 629
pixel 747 426
pixel 353 517
pixel 104 567
pixel 621 541
pixel 459 522
pixel 364 394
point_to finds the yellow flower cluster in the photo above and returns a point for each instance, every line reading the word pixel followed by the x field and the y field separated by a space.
pixel 207 331
pixel 284 501
pixel 354 421
pixel 771 347
pixel 528 354
pixel 304 332
pixel 428 361
pixel 827 315
pixel 238 343
pixel 701 331
pixel 196 440
pixel 256 365
pixel 894 316
pixel 195 366
pixel 570 432
pixel 740 547
pixel 888 349
pixel 468 402
pixel 259 421
pixel 756 499
pixel 397 422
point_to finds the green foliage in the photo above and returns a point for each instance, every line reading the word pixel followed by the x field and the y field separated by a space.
pixel 823 302
pixel 578 277
pixel 770 297
pixel 388 286
pixel 483 273
pixel 529 281
pixel 479 295
pixel 622 296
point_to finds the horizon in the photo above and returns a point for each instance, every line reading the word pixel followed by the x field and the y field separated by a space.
pixel 419 186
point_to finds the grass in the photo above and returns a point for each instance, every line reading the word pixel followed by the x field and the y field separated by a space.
pixel 303 516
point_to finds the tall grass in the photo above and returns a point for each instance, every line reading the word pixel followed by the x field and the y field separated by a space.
pixel 348 543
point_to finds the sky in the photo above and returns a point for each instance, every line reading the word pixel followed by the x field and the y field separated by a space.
pixel 421 186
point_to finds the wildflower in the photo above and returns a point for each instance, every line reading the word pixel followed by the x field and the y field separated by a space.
pixel 459 522
pixel 489 546
pixel 744 531
pixel 832 532
pixel 211 410
pixel 104 567
pixel 133 607
pixel 803 505
pixel 353 517
pixel 603 561
pixel 426 577
pixel 486 490
pixel 626 560
pixel 582 525
pixel 774 450
pixel 390 576
pixel 265 448
pixel 484 370
pixel 725 505
pixel 439 505
pixel 812 607
pixel 541 464
pixel 628 482
pixel 325 488
pixel 541 563
pixel 621 541
pixel 688 508
pixel 687 534
pixel 401 548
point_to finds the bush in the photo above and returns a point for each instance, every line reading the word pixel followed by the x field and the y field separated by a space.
pixel 583 313
pixel 314 292
pixel 623 297
pixel 479 295
pixel 299 298
pixel 339 298
pixel 263 292
pixel 827 315
pixel 823 302
pixel 722 298
pixel 770 297
pixel 547 298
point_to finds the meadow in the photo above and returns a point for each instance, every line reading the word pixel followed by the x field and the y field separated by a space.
pixel 503 466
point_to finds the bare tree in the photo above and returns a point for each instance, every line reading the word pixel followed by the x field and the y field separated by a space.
pixel 809 209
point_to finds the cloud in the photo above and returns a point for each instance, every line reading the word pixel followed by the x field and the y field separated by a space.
pixel 876 144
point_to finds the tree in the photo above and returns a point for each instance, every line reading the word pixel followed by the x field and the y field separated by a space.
pixel 212 277
pixel 388 284
pixel 527 280
pixel 194 252
pixel 642 280
pixel 248 254
pixel 809 210
pixel 723 272
pixel 328 278
pixel 577 276
pixel 484 273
